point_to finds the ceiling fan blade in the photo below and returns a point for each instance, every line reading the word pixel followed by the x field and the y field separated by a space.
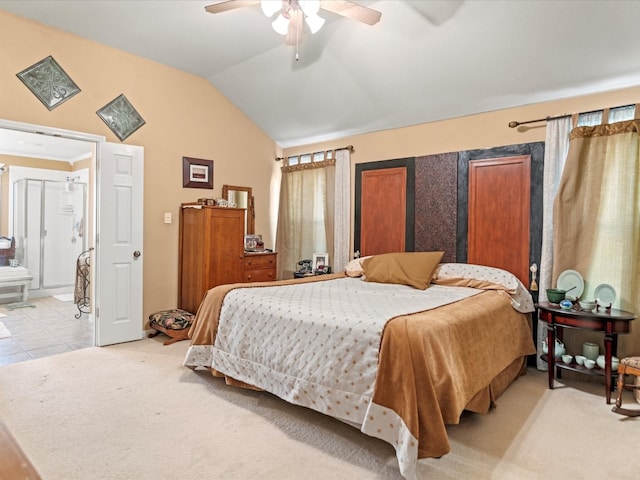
pixel 294 35
pixel 230 5
pixel 352 10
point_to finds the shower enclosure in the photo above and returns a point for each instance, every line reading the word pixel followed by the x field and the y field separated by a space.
pixel 49 228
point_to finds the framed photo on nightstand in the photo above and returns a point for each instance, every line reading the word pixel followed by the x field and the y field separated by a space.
pixel 320 262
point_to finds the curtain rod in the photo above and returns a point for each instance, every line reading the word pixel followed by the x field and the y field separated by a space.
pixel 546 119
pixel 348 147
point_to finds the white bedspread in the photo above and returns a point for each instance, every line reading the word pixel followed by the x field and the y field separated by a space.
pixel 314 344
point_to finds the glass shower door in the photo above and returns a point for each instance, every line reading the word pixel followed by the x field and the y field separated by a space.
pixel 63 236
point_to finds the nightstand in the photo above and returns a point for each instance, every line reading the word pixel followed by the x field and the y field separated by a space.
pixel 610 322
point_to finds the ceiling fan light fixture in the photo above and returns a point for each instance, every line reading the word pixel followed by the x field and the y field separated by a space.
pixel 314 21
pixel 269 7
pixel 281 24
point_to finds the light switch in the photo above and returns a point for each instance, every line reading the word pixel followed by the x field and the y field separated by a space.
pixel 167 217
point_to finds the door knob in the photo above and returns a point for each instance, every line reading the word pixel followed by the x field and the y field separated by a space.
pixel 136 254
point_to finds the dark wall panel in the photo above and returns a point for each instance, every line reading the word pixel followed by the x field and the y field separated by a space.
pixel 436 204
pixel 439 214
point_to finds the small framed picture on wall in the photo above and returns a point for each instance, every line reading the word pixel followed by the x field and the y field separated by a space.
pixel 197 173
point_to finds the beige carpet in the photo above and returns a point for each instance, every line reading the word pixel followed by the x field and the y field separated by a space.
pixel 132 411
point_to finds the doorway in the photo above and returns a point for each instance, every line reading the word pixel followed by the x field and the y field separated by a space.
pixel 116 234
pixel 45 194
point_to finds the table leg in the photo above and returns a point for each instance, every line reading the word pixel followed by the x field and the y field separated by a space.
pixel 551 354
pixel 559 338
pixel 608 344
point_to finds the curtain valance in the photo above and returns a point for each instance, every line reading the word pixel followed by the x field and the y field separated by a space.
pixel 606 130
pixel 308 166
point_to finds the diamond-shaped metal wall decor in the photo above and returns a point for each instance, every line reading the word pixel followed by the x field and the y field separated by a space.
pixel 49 82
pixel 121 117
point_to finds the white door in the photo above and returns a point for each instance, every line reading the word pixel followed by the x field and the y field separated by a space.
pixel 118 294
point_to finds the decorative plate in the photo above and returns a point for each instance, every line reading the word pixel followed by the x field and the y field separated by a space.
pixel 605 295
pixel 569 279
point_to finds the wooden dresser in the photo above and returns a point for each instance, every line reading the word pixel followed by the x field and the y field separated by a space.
pixel 211 253
pixel 259 267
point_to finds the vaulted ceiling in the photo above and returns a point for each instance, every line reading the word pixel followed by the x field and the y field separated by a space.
pixel 426 60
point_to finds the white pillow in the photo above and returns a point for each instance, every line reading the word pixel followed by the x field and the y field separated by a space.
pixel 487 278
pixel 478 272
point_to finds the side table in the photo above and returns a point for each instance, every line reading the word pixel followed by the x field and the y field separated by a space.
pixel 610 322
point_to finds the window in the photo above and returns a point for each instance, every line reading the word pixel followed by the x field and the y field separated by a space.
pixel 616 114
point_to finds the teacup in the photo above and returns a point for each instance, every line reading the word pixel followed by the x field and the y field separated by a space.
pixel 614 362
pixel 589 363
pixel 580 359
pixel 587 305
pixel 567 359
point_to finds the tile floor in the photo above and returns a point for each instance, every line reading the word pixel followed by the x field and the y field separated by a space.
pixel 46 329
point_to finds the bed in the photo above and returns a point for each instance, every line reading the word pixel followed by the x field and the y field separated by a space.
pixel 397 345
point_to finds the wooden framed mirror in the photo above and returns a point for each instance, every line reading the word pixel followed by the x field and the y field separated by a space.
pixel 243 198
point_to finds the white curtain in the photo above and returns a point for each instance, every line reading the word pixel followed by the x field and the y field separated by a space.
pixel 305 224
pixel 342 210
pixel 555 156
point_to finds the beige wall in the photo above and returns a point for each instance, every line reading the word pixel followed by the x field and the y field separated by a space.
pixel 184 114
pixel 483 130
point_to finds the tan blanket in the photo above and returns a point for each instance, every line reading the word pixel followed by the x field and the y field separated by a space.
pixel 433 364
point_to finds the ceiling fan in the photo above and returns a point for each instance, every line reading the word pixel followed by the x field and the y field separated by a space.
pixel 292 13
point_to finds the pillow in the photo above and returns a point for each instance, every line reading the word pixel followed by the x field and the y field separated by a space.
pixel 475 276
pixel 354 267
pixel 406 268
pixel 485 278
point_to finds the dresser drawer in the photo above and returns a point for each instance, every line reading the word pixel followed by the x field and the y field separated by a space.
pixel 257 261
pixel 260 275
